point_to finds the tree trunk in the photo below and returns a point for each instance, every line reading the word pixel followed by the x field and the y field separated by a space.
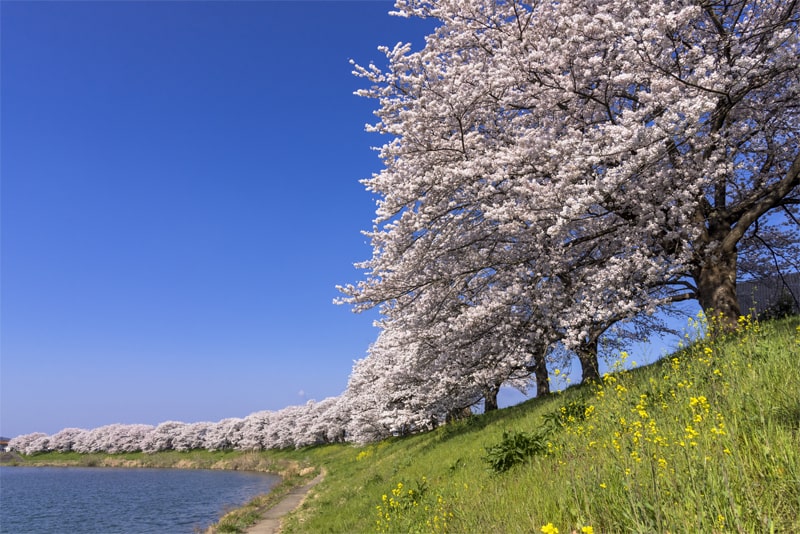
pixel 716 291
pixel 458 414
pixel 539 368
pixel 590 367
pixel 490 399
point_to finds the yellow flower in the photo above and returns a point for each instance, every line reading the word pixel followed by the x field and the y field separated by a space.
pixel 700 402
pixel 549 529
pixel 587 530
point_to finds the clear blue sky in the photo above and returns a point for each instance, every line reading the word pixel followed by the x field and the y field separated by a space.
pixel 180 197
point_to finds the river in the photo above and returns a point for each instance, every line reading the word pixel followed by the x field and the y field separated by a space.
pixel 102 500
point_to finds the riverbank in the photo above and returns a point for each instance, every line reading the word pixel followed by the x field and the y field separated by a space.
pixel 263 514
pixel 265 511
pixel 270 522
pixel 194 459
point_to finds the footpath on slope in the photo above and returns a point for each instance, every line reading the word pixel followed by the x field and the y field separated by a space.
pixel 270 522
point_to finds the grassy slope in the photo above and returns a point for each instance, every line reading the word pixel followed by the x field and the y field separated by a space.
pixel 706 441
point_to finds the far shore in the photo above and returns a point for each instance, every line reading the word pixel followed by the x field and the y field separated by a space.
pixel 295 479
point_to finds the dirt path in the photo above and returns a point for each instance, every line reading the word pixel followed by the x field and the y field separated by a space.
pixel 270 522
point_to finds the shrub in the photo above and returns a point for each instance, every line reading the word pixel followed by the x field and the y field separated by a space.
pixel 515 448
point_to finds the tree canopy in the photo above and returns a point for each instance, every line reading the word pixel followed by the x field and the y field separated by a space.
pixel 553 168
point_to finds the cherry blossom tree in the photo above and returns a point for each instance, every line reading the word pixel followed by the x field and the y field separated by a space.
pixel 30 443
pixel 64 440
pixel 224 435
pixel 254 430
pixel 191 436
pixel 163 437
pixel 112 438
pixel 100 439
pixel 319 423
pixel 601 158
pixel 128 438
pixel 284 428
pixel 366 400
pixel 332 419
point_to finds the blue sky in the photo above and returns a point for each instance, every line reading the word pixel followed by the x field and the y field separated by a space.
pixel 180 198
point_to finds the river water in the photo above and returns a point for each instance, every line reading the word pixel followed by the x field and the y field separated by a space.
pixel 101 500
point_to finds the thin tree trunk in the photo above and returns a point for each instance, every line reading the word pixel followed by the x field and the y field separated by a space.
pixel 490 399
pixel 590 367
pixel 539 369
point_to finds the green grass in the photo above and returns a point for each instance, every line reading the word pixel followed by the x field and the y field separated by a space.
pixel 707 440
pixel 239 519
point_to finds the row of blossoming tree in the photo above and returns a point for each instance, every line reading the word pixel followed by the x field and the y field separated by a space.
pixel 354 416
pixel 557 172
pixel 295 426
pixel 554 174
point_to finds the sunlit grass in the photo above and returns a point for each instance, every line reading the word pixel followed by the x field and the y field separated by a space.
pixel 706 440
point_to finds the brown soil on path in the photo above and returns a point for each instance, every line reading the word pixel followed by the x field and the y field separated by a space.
pixel 270 522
